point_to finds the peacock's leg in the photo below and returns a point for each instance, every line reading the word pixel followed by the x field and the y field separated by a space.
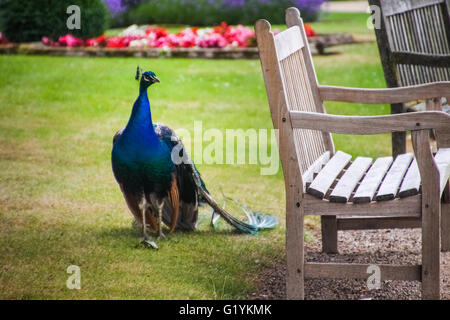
pixel 160 207
pixel 143 208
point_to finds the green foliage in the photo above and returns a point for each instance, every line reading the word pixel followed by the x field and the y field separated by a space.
pixel 208 12
pixel 23 21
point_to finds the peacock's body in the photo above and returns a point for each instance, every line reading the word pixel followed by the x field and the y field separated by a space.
pixel 157 186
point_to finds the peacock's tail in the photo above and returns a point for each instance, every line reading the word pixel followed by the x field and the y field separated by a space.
pixel 256 220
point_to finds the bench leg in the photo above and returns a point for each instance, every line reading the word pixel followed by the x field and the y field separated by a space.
pixel 329 234
pixel 431 215
pixel 430 247
pixel 294 253
pixel 445 227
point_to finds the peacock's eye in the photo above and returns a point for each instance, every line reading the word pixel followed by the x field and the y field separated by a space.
pixel 146 77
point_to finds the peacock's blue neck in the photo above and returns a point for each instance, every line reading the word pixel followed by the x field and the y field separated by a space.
pixel 141 117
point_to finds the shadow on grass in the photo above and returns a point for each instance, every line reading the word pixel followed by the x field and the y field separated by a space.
pixel 131 232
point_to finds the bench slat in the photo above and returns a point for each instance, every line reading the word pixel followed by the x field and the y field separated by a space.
pixel 350 179
pixel 442 159
pixel 372 180
pixel 308 175
pixel 328 174
pixel 411 182
pixel 389 186
pixel 288 42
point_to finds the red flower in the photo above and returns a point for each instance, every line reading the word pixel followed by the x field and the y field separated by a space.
pixel 118 42
pixel 309 31
pixel 158 32
pixel 99 41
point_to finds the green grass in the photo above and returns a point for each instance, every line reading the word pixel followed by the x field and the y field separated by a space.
pixel 60 205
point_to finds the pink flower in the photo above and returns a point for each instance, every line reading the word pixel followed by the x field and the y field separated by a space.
pixel 3 40
pixel 214 40
pixel 238 36
pixel 70 41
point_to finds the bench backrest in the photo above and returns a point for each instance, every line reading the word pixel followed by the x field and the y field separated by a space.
pixel 414 41
pixel 291 84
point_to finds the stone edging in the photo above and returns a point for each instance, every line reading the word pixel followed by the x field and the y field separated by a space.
pixel 318 44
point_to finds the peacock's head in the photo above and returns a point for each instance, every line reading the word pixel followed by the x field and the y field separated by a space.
pixel 147 79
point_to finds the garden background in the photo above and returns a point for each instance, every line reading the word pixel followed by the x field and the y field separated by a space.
pixel 60 205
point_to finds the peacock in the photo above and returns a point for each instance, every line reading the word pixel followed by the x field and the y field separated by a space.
pixel 158 179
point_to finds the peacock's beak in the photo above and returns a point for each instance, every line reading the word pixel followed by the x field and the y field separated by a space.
pixel 155 79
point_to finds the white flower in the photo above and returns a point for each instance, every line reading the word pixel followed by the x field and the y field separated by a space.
pixel 132 30
pixel 139 43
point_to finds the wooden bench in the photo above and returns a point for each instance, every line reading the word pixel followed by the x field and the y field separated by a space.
pixel 414 45
pixel 404 192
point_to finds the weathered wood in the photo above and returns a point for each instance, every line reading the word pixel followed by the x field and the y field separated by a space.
pixel 406 207
pixel 328 174
pixel 423 59
pixel 413 42
pixel 289 161
pixel 371 124
pixel 372 180
pixel 411 183
pixel 288 42
pixel 329 234
pixel 293 19
pixel 384 37
pixel 445 225
pixel 430 215
pixel 389 187
pixel 317 165
pixel 442 160
pixel 443 138
pixel 364 223
pixel 309 144
pixel 383 96
pixel 347 183
pixel 294 111
pixel 396 7
pixel 359 271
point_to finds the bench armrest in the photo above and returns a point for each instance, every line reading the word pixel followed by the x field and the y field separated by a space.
pixel 385 96
pixel 372 124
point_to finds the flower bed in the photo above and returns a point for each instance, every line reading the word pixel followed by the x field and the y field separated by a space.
pixel 222 36
pixel 220 42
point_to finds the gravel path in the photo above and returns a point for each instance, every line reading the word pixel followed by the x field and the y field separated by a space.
pixel 398 246
pixel 345 6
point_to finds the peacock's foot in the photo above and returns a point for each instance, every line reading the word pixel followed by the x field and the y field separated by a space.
pixel 161 235
pixel 147 243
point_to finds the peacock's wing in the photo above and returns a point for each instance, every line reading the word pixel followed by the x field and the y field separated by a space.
pixel 117 135
pixel 184 177
pixel 131 198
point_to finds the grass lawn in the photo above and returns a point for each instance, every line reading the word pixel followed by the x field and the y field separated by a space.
pixel 60 205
